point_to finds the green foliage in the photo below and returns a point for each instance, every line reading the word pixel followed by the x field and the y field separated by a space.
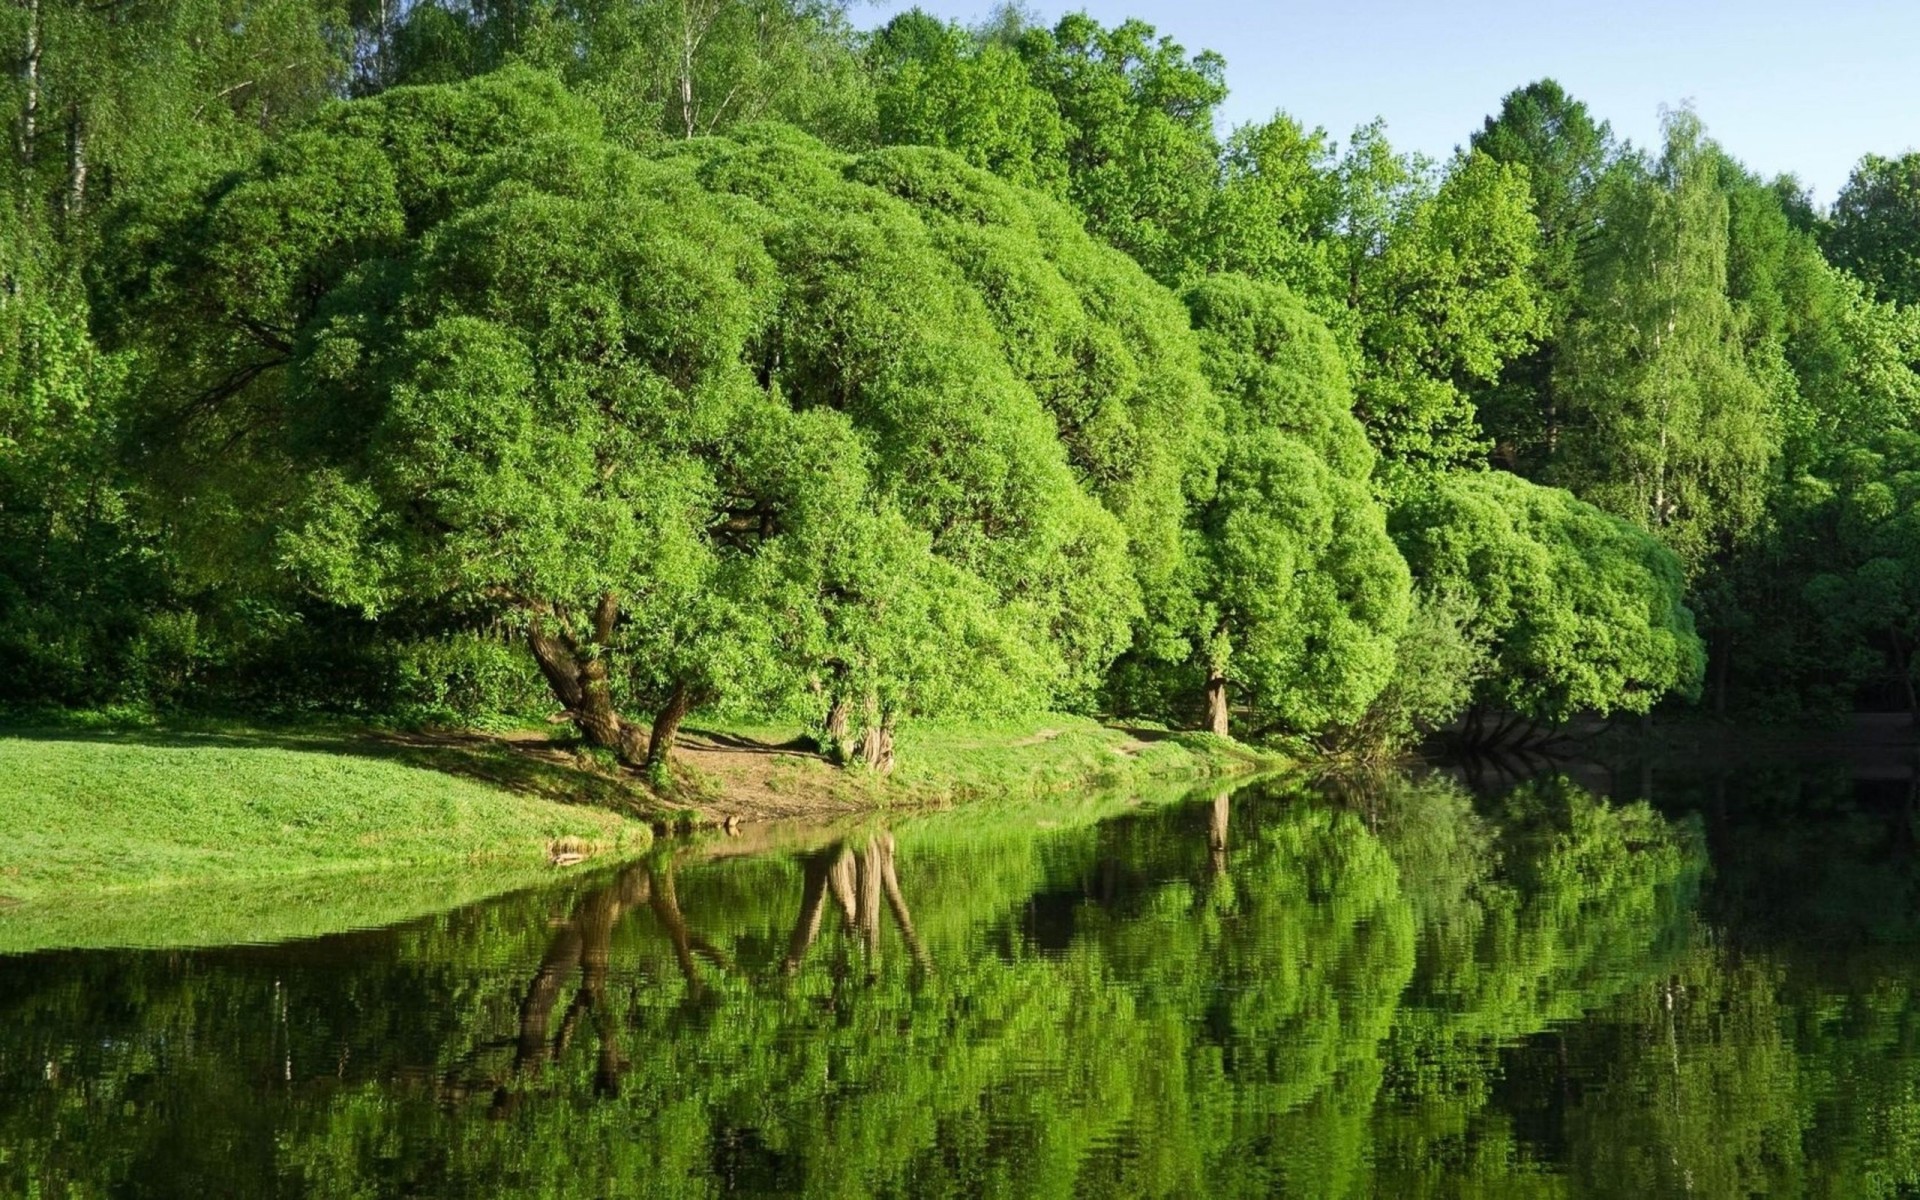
pixel 1138 118
pixel 609 324
pixel 1875 229
pixel 1299 593
pixel 1566 154
pixel 1441 293
pixel 1866 596
pixel 942 88
pixel 1668 422
pixel 1440 663
pixel 1582 611
pixel 731 417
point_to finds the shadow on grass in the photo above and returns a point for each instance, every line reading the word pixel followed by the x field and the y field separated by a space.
pixel 732 741
pixel 550 770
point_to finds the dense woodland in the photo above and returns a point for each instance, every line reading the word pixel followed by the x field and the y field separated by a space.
pixel 726 357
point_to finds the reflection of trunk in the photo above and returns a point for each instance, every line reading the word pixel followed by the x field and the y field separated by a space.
pixel 890 882
pixel 841 878
pixel 1217 832
pixel 867 901
pixel 1217 702
pixel 666 910
pixel 584 942
pixel 858 882
pixel 579 677
pixel 813 906
pixel 563 955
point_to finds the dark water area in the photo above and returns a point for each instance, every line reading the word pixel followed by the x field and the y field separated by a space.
pixel 1634 980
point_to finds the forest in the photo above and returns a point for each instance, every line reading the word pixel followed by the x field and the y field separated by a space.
pixel 436 359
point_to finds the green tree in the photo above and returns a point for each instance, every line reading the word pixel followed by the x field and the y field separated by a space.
pixel 940 86
pixel 1582 611
pixel 705 425
pixel 1566 154
pixel 1440 294
pixel 1140 149
pixel 1868 593
pixel 1300 594
pixel 1666 422
pixel 1875 226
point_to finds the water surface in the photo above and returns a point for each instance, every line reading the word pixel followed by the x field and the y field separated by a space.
pixel 1396 988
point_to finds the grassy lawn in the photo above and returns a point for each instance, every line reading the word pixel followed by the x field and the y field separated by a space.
pixel 92 814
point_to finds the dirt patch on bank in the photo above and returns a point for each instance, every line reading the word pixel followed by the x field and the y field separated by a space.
pixel 717 777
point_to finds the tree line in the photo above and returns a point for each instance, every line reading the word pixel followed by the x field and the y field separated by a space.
pixel 644 357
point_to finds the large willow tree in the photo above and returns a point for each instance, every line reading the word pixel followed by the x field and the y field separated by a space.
pixel 739 419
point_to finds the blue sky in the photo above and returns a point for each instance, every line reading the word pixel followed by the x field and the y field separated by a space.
pixel 1803 88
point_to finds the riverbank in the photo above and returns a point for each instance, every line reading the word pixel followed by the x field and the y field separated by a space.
pixel 97 813
pixel 89 814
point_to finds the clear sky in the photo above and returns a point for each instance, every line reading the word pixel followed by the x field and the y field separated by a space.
pixel 1800 87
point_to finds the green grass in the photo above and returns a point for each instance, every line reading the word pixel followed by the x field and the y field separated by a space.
pixel 1054 754
pixel 93 814
pixel 113 835
pixel 1050 756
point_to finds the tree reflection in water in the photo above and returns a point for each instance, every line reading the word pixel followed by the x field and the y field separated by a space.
pixel 1391 989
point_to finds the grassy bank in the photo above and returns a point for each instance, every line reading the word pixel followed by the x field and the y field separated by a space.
pixel 220 833
pixel 763 772
pixel 89 814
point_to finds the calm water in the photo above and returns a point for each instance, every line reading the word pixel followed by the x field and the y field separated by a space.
pixel 1399 989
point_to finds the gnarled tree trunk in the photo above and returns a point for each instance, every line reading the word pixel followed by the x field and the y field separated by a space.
pixel 876 740
pixel 1217 702
pixel 579 677
pixel 666 723
pixel 838 715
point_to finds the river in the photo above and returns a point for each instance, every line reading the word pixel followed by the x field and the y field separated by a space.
pixel 1531 983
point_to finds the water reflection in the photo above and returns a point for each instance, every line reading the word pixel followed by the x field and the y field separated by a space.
pixel 1396 988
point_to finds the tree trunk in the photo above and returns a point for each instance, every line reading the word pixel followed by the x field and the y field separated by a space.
pixel 666 725
pixel 1217 702
pixel 838 714
pixel 580 679
pixel 876 740
pixel 76 163
pixel 30 78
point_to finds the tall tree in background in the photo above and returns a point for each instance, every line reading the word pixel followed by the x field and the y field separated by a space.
pixel 1276 212
pixel 1440 295
pixel 654 68
pixel 1875 230
pixel 118 96
pixel 939 85
pixel 1141 152
pixel 1666 424
pixel 1565 153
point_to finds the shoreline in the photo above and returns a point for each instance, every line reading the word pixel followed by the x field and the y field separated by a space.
pixel 95 815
